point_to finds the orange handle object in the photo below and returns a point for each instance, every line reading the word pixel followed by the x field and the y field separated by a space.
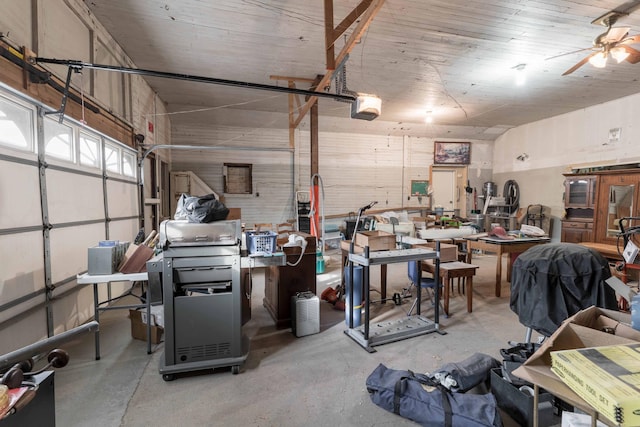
pixel 314 219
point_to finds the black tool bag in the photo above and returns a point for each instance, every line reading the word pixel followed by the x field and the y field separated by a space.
pixel 463 376
pixel 404 394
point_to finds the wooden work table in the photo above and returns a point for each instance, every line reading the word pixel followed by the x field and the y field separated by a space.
pixel 450 271
pixel 610 252
pixel 499 247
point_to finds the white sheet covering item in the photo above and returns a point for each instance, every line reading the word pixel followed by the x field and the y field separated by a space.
pixel 446 233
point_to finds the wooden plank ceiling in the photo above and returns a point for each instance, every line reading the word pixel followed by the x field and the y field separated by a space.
pixel 454 58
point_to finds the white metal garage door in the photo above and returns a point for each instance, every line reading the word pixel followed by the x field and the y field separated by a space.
pixel 63 187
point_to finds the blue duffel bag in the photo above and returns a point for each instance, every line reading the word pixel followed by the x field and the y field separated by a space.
pixel 425 401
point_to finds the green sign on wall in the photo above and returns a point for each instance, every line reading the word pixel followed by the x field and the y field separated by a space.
pixel 419 188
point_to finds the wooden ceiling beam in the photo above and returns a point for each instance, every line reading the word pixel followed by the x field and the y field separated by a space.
pixel 292 79
pixel 292 117
pixel 367 16
pixel 332 34
pixel 293 99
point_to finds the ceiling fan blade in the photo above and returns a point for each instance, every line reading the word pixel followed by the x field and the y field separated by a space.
pixel 569 53
pixel 634 57
pixel 628 49
pixel 615 34
pixel 579 64
pixel 631 40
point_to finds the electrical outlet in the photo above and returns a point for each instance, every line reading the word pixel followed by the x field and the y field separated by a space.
pixel 630 252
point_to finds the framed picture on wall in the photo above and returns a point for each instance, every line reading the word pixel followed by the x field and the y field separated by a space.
pixel 452 153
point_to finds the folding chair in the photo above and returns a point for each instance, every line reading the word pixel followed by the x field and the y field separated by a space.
pixel 425 282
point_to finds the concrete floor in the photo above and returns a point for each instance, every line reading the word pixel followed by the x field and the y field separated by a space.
pixel 316 380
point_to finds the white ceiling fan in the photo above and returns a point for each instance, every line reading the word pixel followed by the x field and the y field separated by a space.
pixel 615 43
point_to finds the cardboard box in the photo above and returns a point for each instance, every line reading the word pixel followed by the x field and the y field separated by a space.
pixel 234 213
pixel 584 329
pixel 448 252
pixel 135 259
pixel 376 240
pixel 605 377
pixel 139 327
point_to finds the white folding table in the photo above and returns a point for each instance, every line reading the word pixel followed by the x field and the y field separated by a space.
pixel 99 306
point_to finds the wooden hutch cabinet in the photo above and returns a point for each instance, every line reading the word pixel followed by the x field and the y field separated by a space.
pixel 579 201
pixel 595 203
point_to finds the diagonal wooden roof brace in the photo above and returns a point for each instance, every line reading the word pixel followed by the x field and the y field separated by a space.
pixel 366 11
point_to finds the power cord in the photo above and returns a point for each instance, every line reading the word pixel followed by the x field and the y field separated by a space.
pixel 297 240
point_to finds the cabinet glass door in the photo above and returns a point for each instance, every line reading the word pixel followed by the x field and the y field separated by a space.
pixel 578 192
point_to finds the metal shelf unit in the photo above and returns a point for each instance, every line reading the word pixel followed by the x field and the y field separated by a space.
pixel 302 210
pixel 397 330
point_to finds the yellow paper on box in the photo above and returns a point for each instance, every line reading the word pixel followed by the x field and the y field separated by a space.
pixel 607 378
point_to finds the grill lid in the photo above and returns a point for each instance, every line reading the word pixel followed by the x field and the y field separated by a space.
pixel 183 233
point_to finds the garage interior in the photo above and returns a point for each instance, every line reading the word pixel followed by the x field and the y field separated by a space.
pixel 418 116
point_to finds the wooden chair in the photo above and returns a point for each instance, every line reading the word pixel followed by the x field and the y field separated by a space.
pixel 284 229
pixel 263 226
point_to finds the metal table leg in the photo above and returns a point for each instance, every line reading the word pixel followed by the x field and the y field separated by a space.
pixel 148 302
pixel 96 314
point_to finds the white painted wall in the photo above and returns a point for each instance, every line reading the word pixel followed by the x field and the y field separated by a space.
pixel 574 138
pixel 355 168
pixel 556 144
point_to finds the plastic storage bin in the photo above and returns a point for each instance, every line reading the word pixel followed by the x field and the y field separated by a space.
pixel 261 242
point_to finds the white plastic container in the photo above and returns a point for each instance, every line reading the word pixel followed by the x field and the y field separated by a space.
pixel 305 314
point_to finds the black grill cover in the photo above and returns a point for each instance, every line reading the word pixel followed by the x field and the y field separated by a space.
pixel 552 282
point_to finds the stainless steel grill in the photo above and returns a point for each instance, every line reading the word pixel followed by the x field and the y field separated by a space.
pixel 202 297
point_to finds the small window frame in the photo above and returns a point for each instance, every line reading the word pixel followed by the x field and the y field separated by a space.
pixel 238 178
pixel 89 146
pixel 25 113
pixel 113 166
pixel 55 146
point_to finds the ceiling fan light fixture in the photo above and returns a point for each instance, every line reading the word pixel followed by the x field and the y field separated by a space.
pixel 599 60
pixel 619 54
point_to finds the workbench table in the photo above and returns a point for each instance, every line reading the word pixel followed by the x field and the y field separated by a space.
pixel 98 306
pixel 499 247
pixel 390 331
pixel 610 252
